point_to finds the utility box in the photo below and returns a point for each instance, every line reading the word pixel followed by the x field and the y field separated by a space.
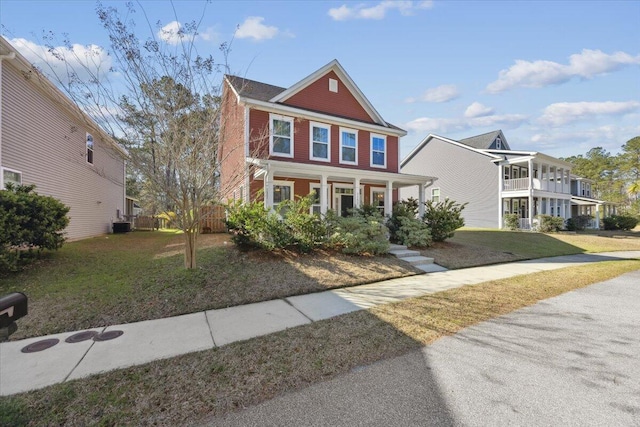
pixel 121 227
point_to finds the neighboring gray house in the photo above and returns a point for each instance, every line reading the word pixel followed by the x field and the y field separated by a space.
pixel 494 180
pixel 45 140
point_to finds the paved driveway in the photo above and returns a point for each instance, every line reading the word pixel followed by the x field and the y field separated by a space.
pixel 569 360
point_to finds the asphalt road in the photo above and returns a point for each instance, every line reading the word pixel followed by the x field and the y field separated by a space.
pixel 573 360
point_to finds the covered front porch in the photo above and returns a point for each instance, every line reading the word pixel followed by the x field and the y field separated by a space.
pixel 597 209
pixel 527 208
pixel 336 188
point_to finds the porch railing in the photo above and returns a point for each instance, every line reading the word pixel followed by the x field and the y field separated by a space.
pixel 516 184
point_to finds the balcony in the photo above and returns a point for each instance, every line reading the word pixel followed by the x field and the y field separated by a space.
pixel 520 184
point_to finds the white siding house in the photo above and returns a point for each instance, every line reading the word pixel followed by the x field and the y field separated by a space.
pixel 45 140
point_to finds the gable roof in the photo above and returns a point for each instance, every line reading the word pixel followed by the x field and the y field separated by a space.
pixel 450 141
pixel 484 141
pixel 264 92
pixel 346 79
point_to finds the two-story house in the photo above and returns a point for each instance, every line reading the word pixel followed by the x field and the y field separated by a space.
pixel 495 180
pixel 320 136
pixel 47 141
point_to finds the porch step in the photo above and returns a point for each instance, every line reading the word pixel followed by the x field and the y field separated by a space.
pixel 403 253
pixel 394 247
pixel 418 260
pixel 431 268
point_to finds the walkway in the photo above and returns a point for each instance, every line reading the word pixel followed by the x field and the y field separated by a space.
pixel 143 342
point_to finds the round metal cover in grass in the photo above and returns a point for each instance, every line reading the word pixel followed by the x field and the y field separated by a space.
pixel 40 345
pixel 81 336
pixel 106 336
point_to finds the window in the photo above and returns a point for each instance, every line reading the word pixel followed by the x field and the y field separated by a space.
pixel 377 199
pixel 498 143
pixel 281 136
pixel 506 172
pixel 282 191
pixel 12 176
pixel 315 198
pixel 320 137
pixel 348 146
pixel 378 151
pixel 89 148
pixel 435 195
pixel 333 85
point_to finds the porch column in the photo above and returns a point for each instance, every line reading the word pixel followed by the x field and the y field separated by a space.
pixel 324 190
pixel 597 216
pixel 555 181
pixel 562 209
pixel 530 209
pixel 388 198
pixel 578 187
pixel 500 187
pixel 530 166
pixel 356 193
pixel 562 182
pixel 268 190
pixel 420 200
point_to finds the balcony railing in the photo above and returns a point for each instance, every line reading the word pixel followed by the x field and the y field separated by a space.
pixel 544 185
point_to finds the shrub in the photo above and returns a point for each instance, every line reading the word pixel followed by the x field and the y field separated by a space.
pixel 402 209
pixel 367 211
pixel 248 223
pixel 511 222
pixel 620 222
pixel 359 235
pixel 548 223
pixel 443 218
pixel 578 223
pixel 306 230
pixel 413 232
pixel 28 221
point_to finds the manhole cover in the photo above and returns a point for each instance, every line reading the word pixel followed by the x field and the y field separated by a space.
pixel 81 336
pixel 106 336
pixel 40 345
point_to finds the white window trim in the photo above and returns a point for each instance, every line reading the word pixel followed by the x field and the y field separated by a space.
pixel 376 190
pixel 283 184
pixel 2 169
pixel 273 117
pixel 324 126
pixel 439 194
pixel 355 132
pixel 318 185
pixel 384 138
pixel 93 149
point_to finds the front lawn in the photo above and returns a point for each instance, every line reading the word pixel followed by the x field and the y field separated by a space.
pixel 190 389
pixel 473 247
pixel 124 278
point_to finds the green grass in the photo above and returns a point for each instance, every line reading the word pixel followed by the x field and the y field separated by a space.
pixel 191 389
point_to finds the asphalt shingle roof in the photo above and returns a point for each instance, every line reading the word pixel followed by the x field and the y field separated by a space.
pixel 481 142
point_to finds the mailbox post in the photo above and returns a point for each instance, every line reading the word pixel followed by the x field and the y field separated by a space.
pixel 12 308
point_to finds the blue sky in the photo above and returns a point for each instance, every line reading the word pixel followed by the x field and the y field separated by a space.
pixel 557 77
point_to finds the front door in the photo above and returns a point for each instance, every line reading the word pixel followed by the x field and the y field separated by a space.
pixel 346 203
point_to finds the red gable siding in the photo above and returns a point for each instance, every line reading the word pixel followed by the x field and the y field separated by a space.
pixel 317 97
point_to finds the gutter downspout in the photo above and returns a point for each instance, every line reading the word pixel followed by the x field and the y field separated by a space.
pixel 11 55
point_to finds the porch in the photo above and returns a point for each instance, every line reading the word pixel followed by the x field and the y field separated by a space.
pixel 535 172
pixel 334 187
pixel 527 208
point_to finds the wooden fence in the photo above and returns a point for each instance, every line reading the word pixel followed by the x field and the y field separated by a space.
pixel 212 219
pixel 144 222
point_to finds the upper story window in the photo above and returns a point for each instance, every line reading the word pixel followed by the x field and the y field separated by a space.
pixel 12 176
pixel 89 148
pixel 320 137
pixel 507 172
pixel 280 136
pixel 378 151
pixel 498 143
pixel 435 195
pixel 348 146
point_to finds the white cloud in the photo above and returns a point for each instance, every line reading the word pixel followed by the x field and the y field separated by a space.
pixel 442 93
pixel 608 136
pixel 378 11
pixel 449 125
pixel 174 33
pixel 478 110
pixel 535 74
pixel 85 62
pixel 253 28
pixel 561 113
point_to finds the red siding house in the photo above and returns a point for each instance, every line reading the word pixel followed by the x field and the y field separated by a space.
pixel 320 136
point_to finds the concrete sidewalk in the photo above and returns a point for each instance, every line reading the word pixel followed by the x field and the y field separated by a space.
pixel 143 342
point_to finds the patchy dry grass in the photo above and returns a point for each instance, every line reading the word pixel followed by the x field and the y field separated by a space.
pixel 139 276
pixel 195 387
pixel 474 247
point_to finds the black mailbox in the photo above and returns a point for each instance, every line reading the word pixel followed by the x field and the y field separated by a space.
pixel 12 308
